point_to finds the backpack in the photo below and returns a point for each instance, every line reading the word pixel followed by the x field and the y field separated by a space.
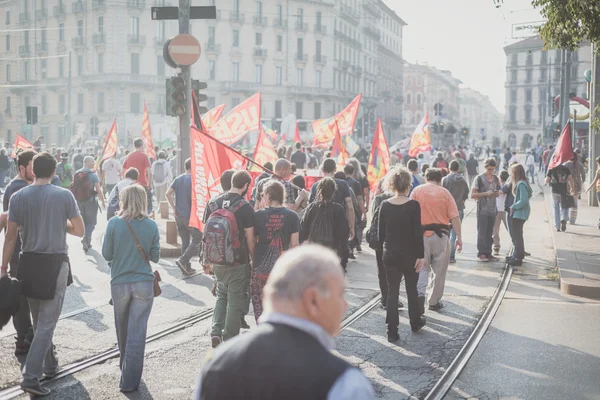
pixel 159 172
pixel 372 235
pixel 312 163
pixel 78 162
pixel 321 229
pixel 81 187
pixel 440 164
pixel 221 235
pixel 60 171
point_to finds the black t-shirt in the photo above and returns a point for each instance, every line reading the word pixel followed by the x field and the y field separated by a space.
pixel 355 186
pixel 299 158
pixel 244 218
pixel 400 231
pixel 559 176
pixel 364 184
pixel 13 187
pixel 267 223
pixel 472 165
pixel 342 192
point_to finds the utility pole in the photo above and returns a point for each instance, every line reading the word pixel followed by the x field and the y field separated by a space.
pixel 544 105
pixel 549 100
pixel 593 142
pixel 69 130
pixel 185 119
pixel 566 100
pixel 561 121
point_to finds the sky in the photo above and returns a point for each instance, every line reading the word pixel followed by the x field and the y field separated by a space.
pixel 466 37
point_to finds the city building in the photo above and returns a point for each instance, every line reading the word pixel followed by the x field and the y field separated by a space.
pixel 532 82
pixel 479 120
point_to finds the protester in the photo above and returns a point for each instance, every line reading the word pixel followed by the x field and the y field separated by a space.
pixel 519 211
pixel 507 156
pixel 282 171
pixel 37 145
pixel 462 164
pixel 485 189
pixel 596 182
pixel 4 167
pixel 78 160
pixel 276 229
pixel 578 173
pixel 530 166
pixel 22 319
pixel 472 169
pixel 546 157
pixel 140 161
pixel 359 206
pixel 85 188
pixel 458 187
pixel 424 169
pixel 179 196
pixel 64 171
pixel 302 194
pixel 132 240
pixel 313 161
pixel 113 206
pixel 401 240
pixel 360 175
pixel 44 268
pixel 299 157
pixel 513 159
pixel 439 161
pixel 232 280
pixel 162 176
pixel 500 212
pixel 263 175
pixel 562 184
pixel 437 208
pixel 325 221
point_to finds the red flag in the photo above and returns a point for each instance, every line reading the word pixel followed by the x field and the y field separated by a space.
pixel 324 129
pixel 282 140
pixel 339 151
pixel 421 138
pixel 238 122
pixel 264 152
pixel 210 159
pixel 21 144
pixel 109 149
pixel 564 148
pixel 212 116
pixel 379 161
pixel 147 134
pixel 297 138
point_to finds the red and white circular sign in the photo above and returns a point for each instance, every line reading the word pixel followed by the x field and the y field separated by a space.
pixel 184 49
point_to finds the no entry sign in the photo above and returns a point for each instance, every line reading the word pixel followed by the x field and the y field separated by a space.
pixel 184 49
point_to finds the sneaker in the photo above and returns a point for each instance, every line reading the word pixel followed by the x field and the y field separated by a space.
pixel 50 374
pixel 190 270
pixel 452 261
pixel 417 328
pixel 527 254
pixel 563 225
pixel 492 258
pixel 215 341
pixel 21 347
pixel 244 324
pixel 515 263
pixel 437 307
pixel 183 267
pixel 393 337
pixel 483 258
pixel 351 255
pixel 358 248
pixel 35 388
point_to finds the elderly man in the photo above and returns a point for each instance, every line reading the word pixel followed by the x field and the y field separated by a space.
pixel 283 170
pixel 85 193
pixel 304 306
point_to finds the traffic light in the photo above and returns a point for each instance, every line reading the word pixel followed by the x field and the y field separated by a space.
pixel 196 87
pixel 465 131
pixel 176 99
pixel 31 114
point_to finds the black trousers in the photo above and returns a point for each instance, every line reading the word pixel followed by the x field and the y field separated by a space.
pixel 517 236
pixel 383 284
pixel 394 270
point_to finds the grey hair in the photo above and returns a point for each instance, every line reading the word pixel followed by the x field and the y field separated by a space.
pixel 299 269
pixel 88 158
pixel 133 202
pixel 356 165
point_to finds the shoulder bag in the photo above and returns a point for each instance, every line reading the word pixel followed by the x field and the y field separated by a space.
pixel 157 289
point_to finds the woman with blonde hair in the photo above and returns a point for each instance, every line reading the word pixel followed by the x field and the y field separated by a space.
pixel 131 278
pixel 519 211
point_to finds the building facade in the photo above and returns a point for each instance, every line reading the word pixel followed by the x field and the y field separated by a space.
pixel 532 81
pixel 478 118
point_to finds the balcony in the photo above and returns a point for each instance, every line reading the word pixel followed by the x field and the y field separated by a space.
pixel 301 27
pixel 98 38
pixel 350 13
pixel 320 29
pixel 320 59
pixel 78 42
pixel 280 23
pixel 372 8
pixel 24 50
pixel 356 69
pixel 344 64
pixel 236 17
pixel 301 57
pixel 78 7
pixel 41 14
pixel 136 4
pixel 41 47
pixel 212 48
pixel 260 52
pixel 98 4
pixel 60 10
pixel 136 39
pixel 259 20
pixel 23 17
pixel 373 32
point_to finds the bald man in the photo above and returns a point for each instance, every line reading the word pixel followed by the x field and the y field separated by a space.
pixel 304 306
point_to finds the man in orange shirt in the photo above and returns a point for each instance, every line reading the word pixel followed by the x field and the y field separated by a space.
pixel 438 207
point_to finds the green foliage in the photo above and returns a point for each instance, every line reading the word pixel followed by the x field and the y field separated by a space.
pixel 596 120
pixel 569 22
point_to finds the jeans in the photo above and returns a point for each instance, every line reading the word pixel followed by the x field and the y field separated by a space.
pixel 461 215
pixel 394 272
pixel 109 188
pixel 471 180
pixel 188 250
pixel 132 306
pixel 89 213
pixel 3 173
pixel 560 213
pixel 485 234
pixel 160 192
pixel 509 224
pixel 531 172
pixel 573 211
pixel 383 283
pixel 500 219
pixel 149 196
pixel 233 284
pixel 518 238
pixel 437 255
pixel 45 313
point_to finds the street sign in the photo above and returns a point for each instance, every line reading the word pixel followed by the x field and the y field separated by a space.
pixel 526 29
pixel 196 12
pixel 184 49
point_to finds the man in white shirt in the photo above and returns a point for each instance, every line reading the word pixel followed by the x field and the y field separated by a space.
pixel 162 175
pixel 111 172
pixel 530 166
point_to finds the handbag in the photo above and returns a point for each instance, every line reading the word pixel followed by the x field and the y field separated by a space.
pixel 567 201
pixel 157 279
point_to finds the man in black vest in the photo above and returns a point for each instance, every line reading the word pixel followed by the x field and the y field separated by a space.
pixel 288 356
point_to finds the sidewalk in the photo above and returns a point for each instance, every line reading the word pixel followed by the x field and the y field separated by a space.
pixel 577 250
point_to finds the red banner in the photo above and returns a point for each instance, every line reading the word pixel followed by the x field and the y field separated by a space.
pixel 564 148
pixel 339 151
pixel 264 152
pixel 109 148
pixel 421 138
pixel 324 129
pixel 147 134
pixel 212 116
pixel 379 161
pixel 209 160
pixel 238 122
pixel 282 140
pixel 297 138
pixel 21 144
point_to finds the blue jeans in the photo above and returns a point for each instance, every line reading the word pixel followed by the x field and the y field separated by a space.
pixel 560 213
pixel 132 306
pixel 485 234
pixel 461 215
pixel 89 213
pixel 186 232
pixel 531 172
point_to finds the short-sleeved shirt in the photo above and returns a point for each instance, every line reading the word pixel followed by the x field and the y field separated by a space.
pixel 182 185
pixel 486 206
pixel 342 192
pixel 112 169
pixel 559 177
pixel 41 213
pixel 140 161
pixel 93 178
pixel 355 186
pixel 364 184
pixel 437 205
pixel 472 165
pixel 267 223
pixel 244 218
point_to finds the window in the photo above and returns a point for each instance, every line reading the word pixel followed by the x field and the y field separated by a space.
pixel 160 66
pixel 80 103
pixel 26 38
pixel 280 14
pixel 236 71
pixel 100 102
pixel 61 67
pixel 79 65
pixel 258 74
pixel 300 16
pixel 419 100
pixel 259 9
pixel 513 96
pixel 299 110
pixel 26 70
pixel 211 35
pixel 279 43
pixel 543 74
pixel 513 76
pixel 135 63
pixel 101 63
pixel 299 77
pixel 211 70
pixel 278 75
pixel 8 72
pixel 61 32
pixel 134 27
pixel 44 67
pixel 528 95
pixel 235 101
pixel 7 20
pixel 528 75
pixel 44 108
pixel 317 110
pixel 575 70
pixel 210 102
pixel 100 24
pixel 236 6
pixel 44 37
pixel 514 60
pixel 318 78
pixel 528 114
pixel 7 42
pixel 544 59
pixel 318 50
pixel 61 104
pixel 7 104
pixel 408 99
pixel 258 39
pixel 319 20
pixel 236 38
pixel 543 97
pixel 160 30
pixel 540 112
pixel 529 59
pixel 134 103
pixel 277 108
pixel 300 48
pixel 80 28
